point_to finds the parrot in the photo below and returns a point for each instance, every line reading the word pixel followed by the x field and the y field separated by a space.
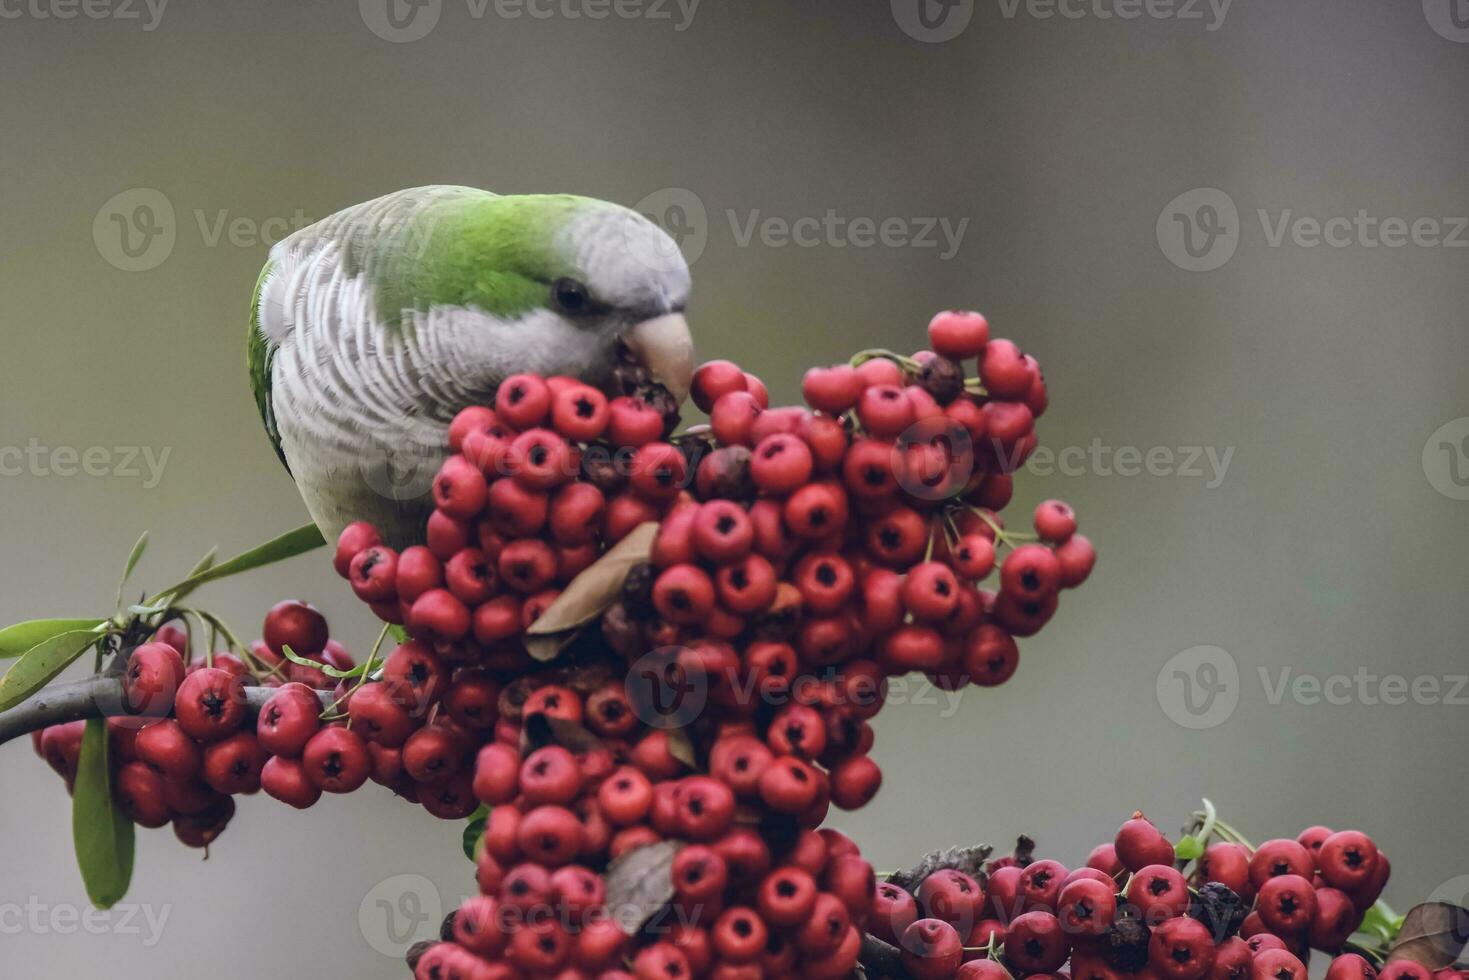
pixel 372 328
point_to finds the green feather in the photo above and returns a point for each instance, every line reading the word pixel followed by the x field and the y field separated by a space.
pixel 258 357
pixel 494 253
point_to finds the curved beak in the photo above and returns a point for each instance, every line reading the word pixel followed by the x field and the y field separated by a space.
pixel 663 346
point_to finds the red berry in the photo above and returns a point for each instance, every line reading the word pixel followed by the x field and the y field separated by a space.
pixel 833 390
pixel 297 625
pixel 884 411
pixel 952 896
pixel 659 471
pixel 580 412
pixel 1035 943
pixel 1055 521
pixel 210 704
pixel 378 716
pixel 1139 843
pixel 683 594
pixel 1003 370
pixel 1086 907
pixel 373 574
pixel 460 489
pixel 438 614
pixel 1280 964
pixel 958 333
pixel 1287 904
pixel 139 792
pixel 168 750
pixel 336 760
pixel 817 510
pixel 1158 891
pixel 540 460
pixel 153 676
pixel 232 765
pixel 418 570
pixel 523 401
pixel 1347 859
pixel 632 422
pixel 1280 857
pixel 714 379
pixel 931 949
pixel 930 592
pixel 354 538
pixel 733 417
pixel 286 780
pixel 1181 949
pixel 781 464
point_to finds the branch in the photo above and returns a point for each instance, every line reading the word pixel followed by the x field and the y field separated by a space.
pixel 881 961
pixel 98 696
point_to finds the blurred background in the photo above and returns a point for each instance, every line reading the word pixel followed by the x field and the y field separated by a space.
pixel 1234 234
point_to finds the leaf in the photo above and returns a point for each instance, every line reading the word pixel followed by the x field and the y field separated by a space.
pixel 325 668
pixel 681 747
pixel 127 570
pixel 589 595
pixel 639 883
pixel 1433 934
pixel 288 545
pixel 41 663
pixel 203 565
pixel 474 832
pixel 969 860
pixel 1188 848
pixel 20 638
pixel 1381 923
pixel 102 833
pixel 541 730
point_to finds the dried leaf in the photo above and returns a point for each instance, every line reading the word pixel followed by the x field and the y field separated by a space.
pixel 639 883
pixel 681 747
pixel 542 730
pixel 1433 934
pixel 589 595
pixel 969 860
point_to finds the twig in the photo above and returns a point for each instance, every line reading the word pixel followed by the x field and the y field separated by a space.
pixel 98 696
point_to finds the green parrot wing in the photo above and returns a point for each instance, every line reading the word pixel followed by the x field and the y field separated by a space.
pixel 258 357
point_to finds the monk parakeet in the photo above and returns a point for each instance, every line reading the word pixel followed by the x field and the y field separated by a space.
pixel 372 328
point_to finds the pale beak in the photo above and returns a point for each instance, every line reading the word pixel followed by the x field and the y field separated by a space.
pixel 663 346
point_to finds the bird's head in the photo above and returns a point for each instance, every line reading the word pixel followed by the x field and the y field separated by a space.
pixel 554 284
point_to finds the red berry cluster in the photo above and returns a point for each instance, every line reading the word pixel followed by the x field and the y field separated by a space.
pixel 1137 910
pixel 536 490
pixel 185 741
pixel 753 894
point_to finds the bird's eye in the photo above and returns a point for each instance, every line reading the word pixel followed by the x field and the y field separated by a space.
pixel 570 296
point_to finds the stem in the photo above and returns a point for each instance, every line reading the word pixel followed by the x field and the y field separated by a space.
pixel 872 354
pixel 98 696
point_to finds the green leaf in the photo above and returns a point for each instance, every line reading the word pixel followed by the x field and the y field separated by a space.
pixel 20 638
pixel 289 545
pixel 474 831
pixel 127 570
pixel 204 564
pixel 41 663
pixel 326 669
pixel 1188 848
pixel 1380 922
pixel 102 833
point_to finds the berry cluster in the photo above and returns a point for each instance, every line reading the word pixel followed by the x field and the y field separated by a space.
pixel 533 494
pixel 751 892
pixel 185 741
pixel 1136 909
